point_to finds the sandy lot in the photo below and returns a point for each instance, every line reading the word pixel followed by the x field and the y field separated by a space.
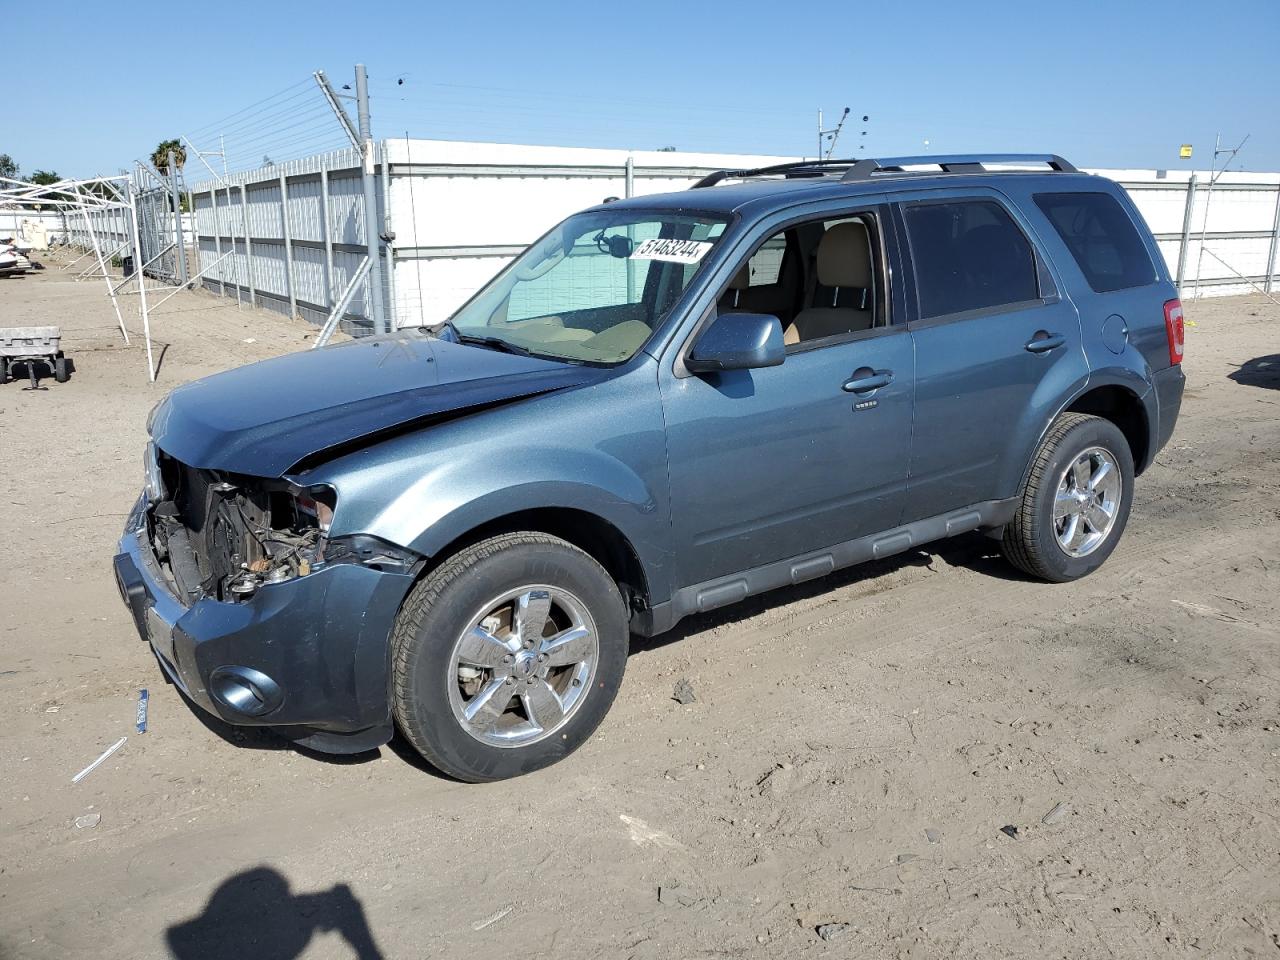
pixel 855 749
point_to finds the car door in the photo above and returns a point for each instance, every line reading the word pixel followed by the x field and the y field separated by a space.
pixel 996 347
pixel 771 463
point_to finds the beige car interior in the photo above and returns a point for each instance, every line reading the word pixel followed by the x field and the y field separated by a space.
pixel 833 296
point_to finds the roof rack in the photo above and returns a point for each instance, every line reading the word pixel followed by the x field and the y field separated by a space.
pixel 956 163
pixel 863 170
pixel 797 168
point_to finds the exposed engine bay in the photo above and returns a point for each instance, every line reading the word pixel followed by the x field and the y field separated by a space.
pixel 224 536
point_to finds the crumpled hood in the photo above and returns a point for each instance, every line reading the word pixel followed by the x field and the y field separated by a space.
pixel 264 418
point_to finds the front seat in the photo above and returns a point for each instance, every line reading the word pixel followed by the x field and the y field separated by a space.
pixel 844 262
pixel 741 282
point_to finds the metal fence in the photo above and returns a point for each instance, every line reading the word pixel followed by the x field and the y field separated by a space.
pixel 287 237
pixel 291 237
pixel 1217 238
pixel 115 236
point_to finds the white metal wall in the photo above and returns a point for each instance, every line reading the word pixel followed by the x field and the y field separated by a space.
pixel 460 211
pixel 306 214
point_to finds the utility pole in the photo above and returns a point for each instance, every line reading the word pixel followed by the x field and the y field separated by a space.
pixel 377 314
pixel 1214 174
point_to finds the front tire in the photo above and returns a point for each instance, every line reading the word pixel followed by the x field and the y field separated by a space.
pixel 1075 500
pixel 507 656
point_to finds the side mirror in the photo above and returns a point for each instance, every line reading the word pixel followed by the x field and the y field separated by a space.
pixel 738 341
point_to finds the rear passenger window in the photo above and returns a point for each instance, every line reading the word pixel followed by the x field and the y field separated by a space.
pixel 1101 238
pixel 968 255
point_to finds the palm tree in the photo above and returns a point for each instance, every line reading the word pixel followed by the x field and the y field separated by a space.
pixel 160 156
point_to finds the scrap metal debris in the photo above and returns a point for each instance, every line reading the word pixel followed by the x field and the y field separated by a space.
pixel 492 919
pixel 93 766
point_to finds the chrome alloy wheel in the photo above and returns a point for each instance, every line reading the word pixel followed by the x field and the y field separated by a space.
pixel 1087 502
pixel 523 666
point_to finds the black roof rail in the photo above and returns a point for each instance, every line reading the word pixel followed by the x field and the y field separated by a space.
pixel 956 163
pixel 796 168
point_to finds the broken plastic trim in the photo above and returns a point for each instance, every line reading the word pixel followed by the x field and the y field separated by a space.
pixel 369 551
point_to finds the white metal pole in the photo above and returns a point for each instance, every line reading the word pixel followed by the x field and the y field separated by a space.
pixel 392 322
pixel 93 237
pixel 217 234
pixel 327 223
pixel 1275 239
pixel 1204 224
pixel 142 286
pixel 288 244
pixel 373 287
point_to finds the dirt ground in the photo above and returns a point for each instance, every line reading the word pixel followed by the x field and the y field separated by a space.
pixel 855 749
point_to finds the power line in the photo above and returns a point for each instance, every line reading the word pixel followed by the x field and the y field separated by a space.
pixel 319 114
pixel 251 106
pixel 260 119
pixel 575 97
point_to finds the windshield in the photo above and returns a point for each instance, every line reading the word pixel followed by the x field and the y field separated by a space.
pixel 594 288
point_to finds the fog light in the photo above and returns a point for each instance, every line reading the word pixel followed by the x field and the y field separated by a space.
pixel 245 691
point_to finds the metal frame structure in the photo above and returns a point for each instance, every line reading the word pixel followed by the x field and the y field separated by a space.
pixel 73 197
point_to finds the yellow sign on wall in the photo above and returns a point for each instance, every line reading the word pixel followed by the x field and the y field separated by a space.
pixel 1184 152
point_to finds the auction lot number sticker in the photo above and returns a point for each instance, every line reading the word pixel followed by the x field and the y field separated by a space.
pixel 673 251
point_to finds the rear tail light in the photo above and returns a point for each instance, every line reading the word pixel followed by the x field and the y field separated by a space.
pixel 1174 329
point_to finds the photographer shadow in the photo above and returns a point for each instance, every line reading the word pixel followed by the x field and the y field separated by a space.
pixel 254 914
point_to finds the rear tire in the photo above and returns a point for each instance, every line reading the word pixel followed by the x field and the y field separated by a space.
pixel 61 372
pixel 507 656
pixel 1075 500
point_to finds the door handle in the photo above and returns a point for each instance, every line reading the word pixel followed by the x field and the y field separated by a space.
pixel 864 380
pixel 1044 341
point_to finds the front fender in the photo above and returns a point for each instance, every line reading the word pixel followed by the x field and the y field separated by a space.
pixel 455 498
pixel 600 450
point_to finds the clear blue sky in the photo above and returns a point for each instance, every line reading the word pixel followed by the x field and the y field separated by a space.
pixel 1118 83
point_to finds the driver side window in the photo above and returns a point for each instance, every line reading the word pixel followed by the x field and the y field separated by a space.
pixel 823 279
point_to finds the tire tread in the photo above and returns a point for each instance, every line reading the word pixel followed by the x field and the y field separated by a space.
pixel 1021 541
pixel 420 600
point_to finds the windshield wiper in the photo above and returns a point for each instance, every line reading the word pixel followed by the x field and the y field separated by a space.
pixel 495 343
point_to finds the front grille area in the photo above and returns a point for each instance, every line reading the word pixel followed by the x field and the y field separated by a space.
pixel 209 527
pixel 223 535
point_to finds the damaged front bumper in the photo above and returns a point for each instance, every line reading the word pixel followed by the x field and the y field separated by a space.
pixel 310 655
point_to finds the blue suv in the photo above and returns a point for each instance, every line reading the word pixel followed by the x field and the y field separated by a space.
pixel 664 405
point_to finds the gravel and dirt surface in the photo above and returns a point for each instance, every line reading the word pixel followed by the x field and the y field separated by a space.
pixel 929 757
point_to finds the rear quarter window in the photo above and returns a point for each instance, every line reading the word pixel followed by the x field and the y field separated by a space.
pixel 1101 237
pixel 968 255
